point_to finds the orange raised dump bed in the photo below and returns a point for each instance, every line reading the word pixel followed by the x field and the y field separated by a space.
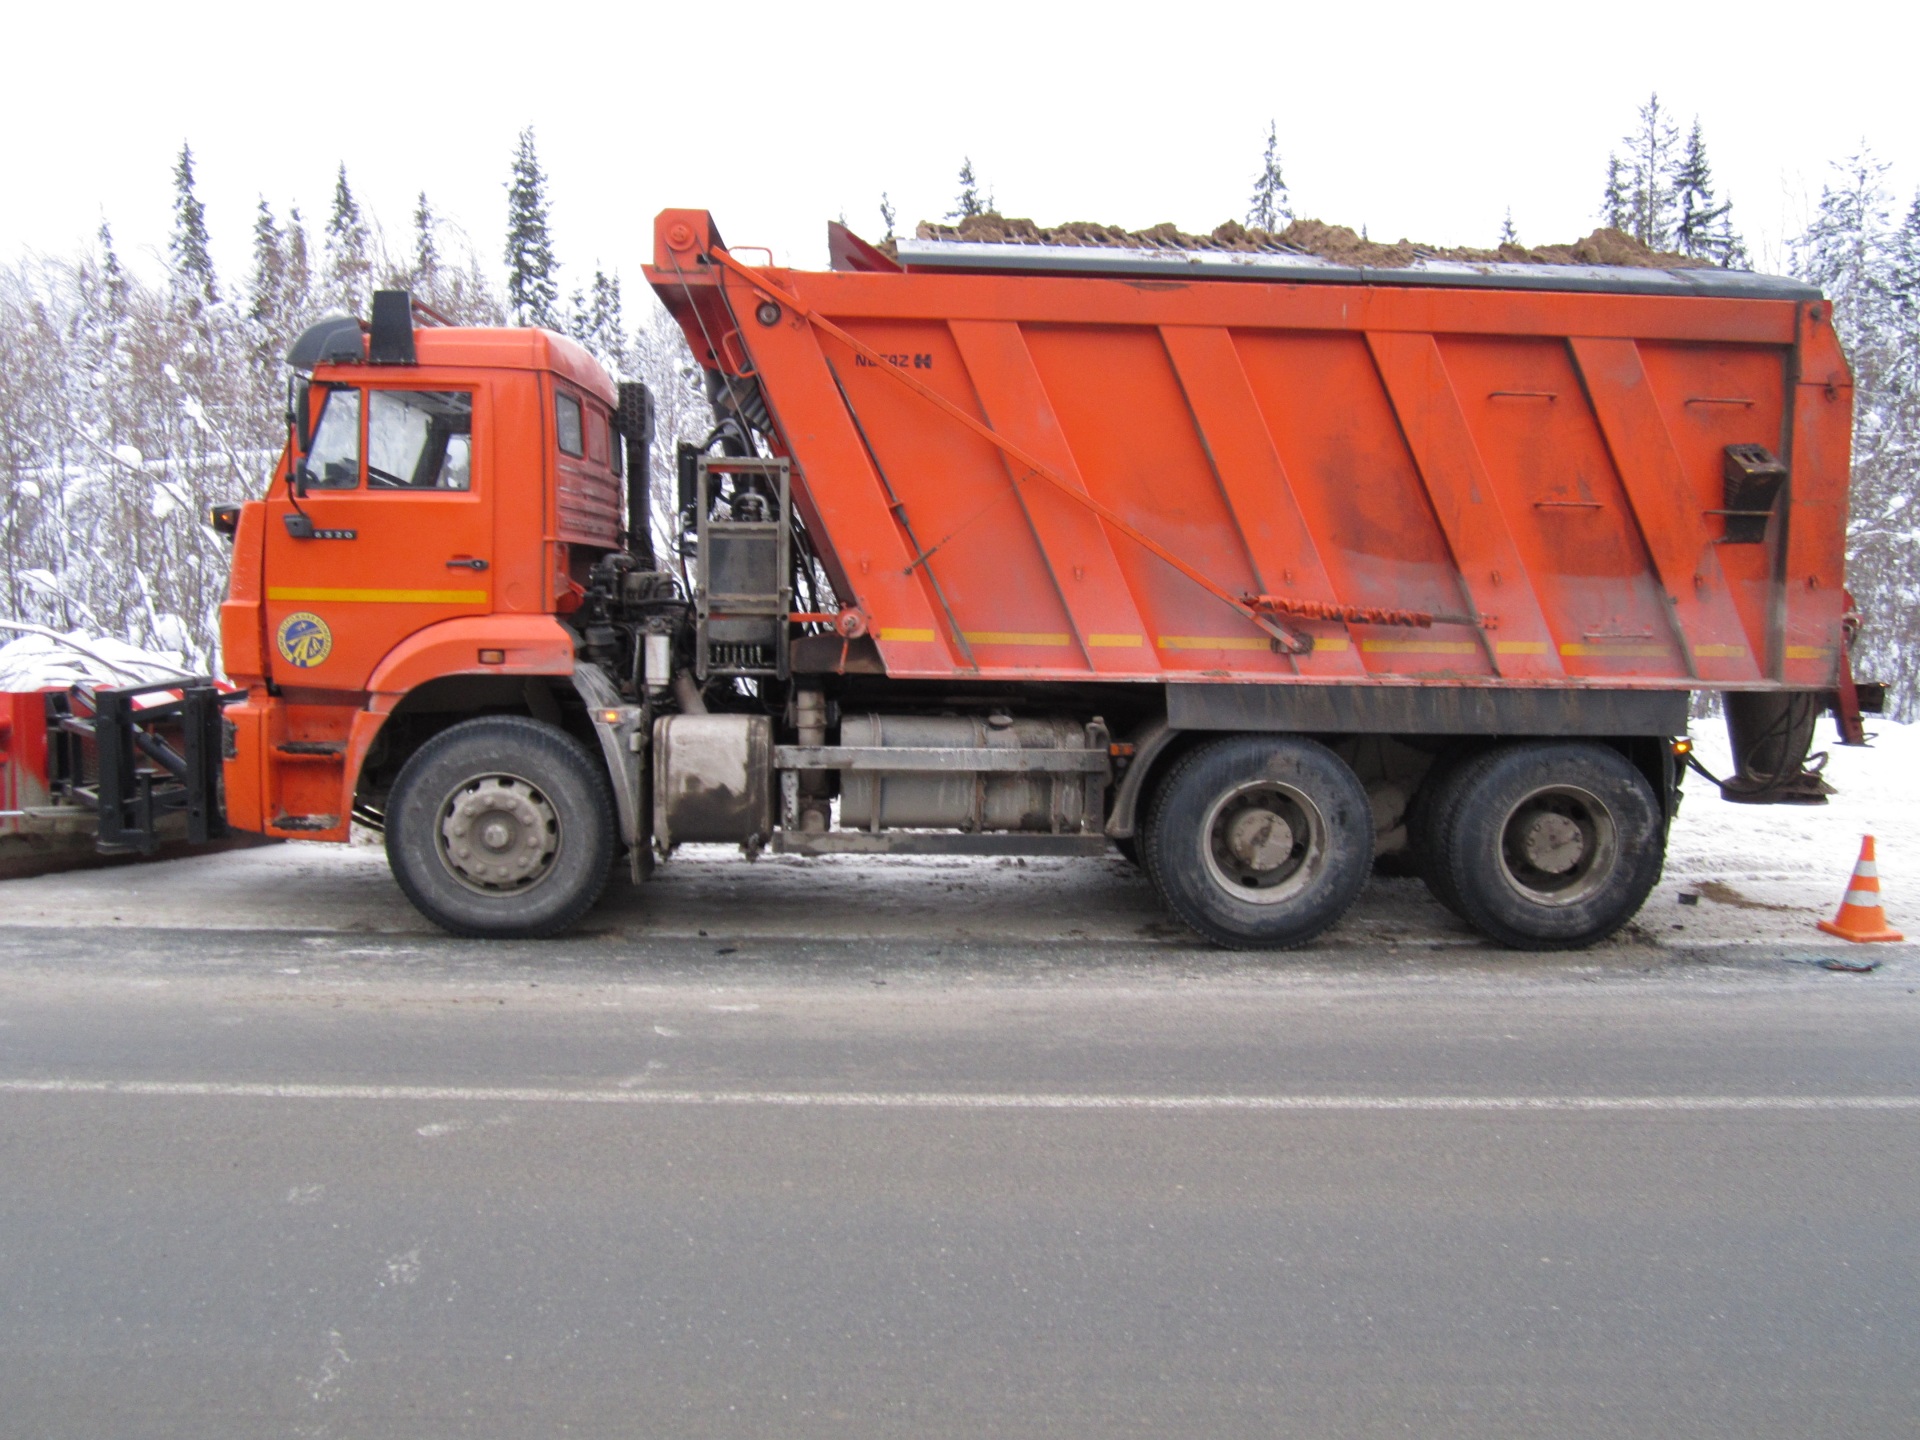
pixel 1028 463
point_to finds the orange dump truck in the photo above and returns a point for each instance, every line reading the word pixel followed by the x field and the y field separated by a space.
pixel 1261 569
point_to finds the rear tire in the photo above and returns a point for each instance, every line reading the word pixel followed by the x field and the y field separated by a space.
pixel 1551 846
pixel 501 828
pixel 1428 819
pixel 1259 841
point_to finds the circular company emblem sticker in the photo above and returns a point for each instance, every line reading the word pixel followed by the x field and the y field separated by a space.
pixel 304 639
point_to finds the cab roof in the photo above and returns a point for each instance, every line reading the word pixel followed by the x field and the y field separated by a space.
pixel 458 347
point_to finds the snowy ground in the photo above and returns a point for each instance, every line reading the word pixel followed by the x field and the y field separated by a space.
pixel 1768 872
pixel 1762 875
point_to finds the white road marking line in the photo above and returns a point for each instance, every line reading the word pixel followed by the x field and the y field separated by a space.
pixel 950 1100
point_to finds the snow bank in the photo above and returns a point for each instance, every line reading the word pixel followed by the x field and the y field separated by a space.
pixel 40 657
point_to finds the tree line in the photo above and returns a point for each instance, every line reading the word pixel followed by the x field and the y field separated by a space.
pixel 128 407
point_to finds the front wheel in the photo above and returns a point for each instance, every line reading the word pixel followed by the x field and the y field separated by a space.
pixel 501 827
pixel 1257 841
pixel 1551 846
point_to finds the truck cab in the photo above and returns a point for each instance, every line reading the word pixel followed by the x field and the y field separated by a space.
pixel 440 505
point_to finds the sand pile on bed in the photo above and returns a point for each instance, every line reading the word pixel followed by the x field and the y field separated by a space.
pixel 1308 237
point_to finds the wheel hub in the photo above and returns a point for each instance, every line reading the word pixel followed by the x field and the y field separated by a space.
pixel 1259 839
pixel 1553 844
pixel 1264 841
pixel 498 833
pixel 1559 845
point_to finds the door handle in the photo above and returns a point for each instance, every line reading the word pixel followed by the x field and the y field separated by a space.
pixel 464 563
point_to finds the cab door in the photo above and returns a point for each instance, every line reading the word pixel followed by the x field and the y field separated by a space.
pixel 394 533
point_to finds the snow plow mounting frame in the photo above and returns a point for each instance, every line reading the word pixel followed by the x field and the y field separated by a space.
pixel 135 766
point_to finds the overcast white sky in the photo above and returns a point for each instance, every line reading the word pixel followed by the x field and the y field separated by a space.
pixel 1419 120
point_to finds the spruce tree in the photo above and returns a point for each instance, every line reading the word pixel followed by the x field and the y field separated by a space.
pixel 1616 210
pixel 1652 153
pixel 1903 274
pixel 1509 235
pixel 267 291
pixel 189 248
pixel 349 250
pixel 1271 208
pixel 970 201
pixel 887 215
pixel 533 285
pixel 599 323
pixel 113 278
pixel 299 265
pixel 1704 228
pixel 426 250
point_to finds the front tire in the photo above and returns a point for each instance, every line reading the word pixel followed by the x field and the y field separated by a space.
pixel 501 828
pixel 1259 842
pixel 1551 846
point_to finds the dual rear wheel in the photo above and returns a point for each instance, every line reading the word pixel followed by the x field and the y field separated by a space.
pixel 1266 841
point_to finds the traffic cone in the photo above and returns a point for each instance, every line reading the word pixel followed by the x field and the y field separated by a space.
pixel 1861 917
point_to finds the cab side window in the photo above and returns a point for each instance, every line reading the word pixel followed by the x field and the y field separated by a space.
pixel 333 457
pixel 566 424
pixel 420 440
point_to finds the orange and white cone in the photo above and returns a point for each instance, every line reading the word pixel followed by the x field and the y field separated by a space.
pixel 1861 917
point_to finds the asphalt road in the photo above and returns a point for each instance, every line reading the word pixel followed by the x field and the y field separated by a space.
pixel 366 1183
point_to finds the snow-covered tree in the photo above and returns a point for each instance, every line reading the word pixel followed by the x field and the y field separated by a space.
pixel 299 264
pixel 971 200
pixel 888 216
pixel 1271 208
pixel 1854 252
pixel 349 251
pixel 269 313
pixel 533 283
pixel 599 325
pixel 1509 235
pixel 426 250
pixel 189 248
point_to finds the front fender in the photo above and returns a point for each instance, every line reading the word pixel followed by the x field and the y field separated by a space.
pixel 527 644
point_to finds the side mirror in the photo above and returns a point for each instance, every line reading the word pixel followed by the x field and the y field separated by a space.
pixel 299 425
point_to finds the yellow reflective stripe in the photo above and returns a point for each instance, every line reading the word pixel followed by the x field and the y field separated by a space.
pixel 1011 637
pixel 1212 642
pixel 1113 642
pixel 1719 652
pixel 916 635
pixel 1615 651
pixel 1520 647
pixel 380 597
pixel 1329 642
pixel 1419 647
pixel 1808 652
